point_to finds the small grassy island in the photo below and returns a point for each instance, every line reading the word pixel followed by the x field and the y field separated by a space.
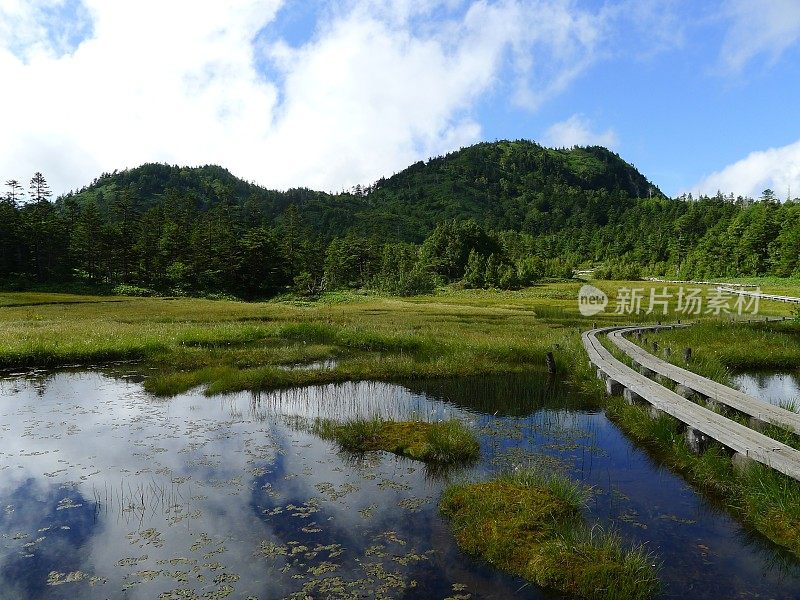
pixel 531 525
pixel 444 442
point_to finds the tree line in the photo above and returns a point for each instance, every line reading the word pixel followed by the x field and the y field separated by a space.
pixel 159 229
pixel 176 247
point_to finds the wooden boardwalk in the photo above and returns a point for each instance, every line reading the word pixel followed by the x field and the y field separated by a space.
pixel 701 423
pixel 759 295
pixel 707 388
pixel 717 283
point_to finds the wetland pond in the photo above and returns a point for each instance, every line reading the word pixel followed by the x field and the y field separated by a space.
pixel 108 492
pixel 775 388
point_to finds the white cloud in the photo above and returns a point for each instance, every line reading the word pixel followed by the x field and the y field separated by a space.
pixel 577 131
pixel 649 27
pixel 155 82
pixel 775 168
pixel 378 86
pixel 759 27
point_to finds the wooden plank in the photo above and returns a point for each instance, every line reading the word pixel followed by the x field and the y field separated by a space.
pixel 737 437
pixel 760 295
pixel 683 281
pixel 753 407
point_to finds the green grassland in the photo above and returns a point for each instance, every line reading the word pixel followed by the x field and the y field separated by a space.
pixel 234 345
pixel 231 346
pixel 722 348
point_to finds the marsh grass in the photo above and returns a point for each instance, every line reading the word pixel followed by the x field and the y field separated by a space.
pixel 230 346
pixel 172 384
pixel 443 442
pixel 530 524
pixel 720 348
pixel 234 346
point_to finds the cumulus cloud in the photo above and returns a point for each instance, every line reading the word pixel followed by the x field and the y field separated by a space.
pixel 758 27
pixel 577 131
pixel 154 81
pixel 378 85
pixel 776 168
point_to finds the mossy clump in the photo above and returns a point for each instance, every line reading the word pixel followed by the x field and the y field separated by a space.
pixel 443 442
pixel 531 525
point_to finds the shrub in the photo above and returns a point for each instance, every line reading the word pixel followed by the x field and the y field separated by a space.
pixel 124 289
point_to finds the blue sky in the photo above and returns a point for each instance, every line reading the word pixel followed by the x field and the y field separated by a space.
pixel 324 94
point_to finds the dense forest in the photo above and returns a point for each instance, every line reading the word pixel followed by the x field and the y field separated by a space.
pixel 501 214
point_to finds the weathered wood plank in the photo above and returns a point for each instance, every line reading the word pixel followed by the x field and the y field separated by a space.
pixel 744 403
pixel 731 434
pixel 760 295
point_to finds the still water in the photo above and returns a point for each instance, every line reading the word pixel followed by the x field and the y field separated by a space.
pixel 775 388
pixel 106 491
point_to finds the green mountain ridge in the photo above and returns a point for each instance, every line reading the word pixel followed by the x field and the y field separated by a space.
pixel 502 185
pixel 501 214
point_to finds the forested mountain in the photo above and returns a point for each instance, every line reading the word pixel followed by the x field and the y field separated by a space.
pixel 502 185
pixel 493 214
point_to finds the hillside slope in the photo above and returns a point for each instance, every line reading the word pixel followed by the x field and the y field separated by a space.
pixel 507 185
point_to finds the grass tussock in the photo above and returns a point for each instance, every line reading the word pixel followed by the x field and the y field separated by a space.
pixel 443 442
pixel 531 525
pixel 171 384
pixel 762 498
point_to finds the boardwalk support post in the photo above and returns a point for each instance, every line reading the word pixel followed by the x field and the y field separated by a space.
pixel 741 462
pixel 695 440
pixel 631 397
pixel 663 380
pixel 687 393
pixel 551 363
pixel 646 372
pixel 614 388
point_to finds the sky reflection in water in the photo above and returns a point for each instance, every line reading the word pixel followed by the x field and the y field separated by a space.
pixel 108 492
